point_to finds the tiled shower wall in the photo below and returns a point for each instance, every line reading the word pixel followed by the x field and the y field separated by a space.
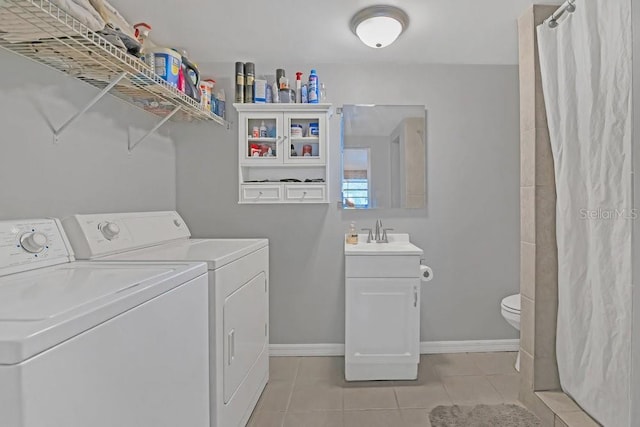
pixel 538 251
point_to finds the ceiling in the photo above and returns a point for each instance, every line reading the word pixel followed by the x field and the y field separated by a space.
pixel 440 31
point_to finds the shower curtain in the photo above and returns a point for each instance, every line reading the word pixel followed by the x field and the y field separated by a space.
pixel 586 75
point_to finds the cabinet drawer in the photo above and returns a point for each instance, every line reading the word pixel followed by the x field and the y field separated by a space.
pixel 382 266
pixel 261 193
pixel 305 193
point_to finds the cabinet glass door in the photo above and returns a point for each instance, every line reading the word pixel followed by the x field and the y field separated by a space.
pixel 264 139
pixel 305 139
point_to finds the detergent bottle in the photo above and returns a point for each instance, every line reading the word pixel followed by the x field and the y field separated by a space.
pixel 189 77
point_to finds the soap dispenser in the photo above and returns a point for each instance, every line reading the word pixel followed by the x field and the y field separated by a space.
pixel 352 235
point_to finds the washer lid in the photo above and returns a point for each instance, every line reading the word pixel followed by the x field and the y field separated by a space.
pixel 215 252
pixel 42 308
pixel 49 294
pixel 512 303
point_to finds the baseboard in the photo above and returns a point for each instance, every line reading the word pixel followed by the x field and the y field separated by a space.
pixel 306 349
pixel 427 347
pixel 481 346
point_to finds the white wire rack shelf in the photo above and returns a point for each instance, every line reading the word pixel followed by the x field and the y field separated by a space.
pixel 39 30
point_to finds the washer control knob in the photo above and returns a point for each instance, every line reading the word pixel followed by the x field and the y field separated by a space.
pixel 109 230
pixel 34 242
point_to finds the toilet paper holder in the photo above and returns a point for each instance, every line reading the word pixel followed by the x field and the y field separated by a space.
pixel 426 273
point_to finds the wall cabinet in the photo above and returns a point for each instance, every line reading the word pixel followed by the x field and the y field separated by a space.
pixel 283 153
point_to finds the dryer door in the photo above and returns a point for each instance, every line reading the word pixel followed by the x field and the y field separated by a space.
pixel 245 333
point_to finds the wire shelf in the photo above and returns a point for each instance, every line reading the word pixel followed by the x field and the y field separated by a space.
pixel 39 30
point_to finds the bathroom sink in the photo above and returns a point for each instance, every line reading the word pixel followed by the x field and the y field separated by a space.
pixel 399 244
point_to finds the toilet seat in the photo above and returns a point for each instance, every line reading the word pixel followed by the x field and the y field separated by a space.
pixel 511 304
pixel 510 310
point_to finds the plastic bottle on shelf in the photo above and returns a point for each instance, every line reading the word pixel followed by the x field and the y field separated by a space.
pixel 221 102
pixel 214 97
pixel 263 130
pixel 205 94
pixel 268 94
pixel 323 93
pixel 181 79
pixel 313 89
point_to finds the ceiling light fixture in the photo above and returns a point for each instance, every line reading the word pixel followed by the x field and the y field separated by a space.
pixel 379 26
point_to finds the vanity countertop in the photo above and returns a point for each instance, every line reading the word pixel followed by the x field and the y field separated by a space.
pixel 399 244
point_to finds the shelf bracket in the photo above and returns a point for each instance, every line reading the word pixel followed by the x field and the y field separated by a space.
pixel 103 92
pixel 155 128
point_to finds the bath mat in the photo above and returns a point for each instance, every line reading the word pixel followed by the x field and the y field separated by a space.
pixel 482 416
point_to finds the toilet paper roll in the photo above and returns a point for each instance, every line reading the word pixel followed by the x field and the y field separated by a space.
pixel 426 273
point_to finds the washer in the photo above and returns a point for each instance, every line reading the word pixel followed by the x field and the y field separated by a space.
pixel 96 344
pixel 238 295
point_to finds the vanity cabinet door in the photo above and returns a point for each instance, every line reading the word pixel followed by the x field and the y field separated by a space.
pixel 382 320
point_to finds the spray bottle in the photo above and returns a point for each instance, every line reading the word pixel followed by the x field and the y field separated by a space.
pixel 299 87
pixel 141 31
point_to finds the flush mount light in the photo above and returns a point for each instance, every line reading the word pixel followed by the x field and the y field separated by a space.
pixel 379 26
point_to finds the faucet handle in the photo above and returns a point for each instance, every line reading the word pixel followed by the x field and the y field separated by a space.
pixel 384 234
pixel 370 236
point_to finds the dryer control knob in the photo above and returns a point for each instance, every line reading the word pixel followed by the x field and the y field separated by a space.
pixel 109 230
pixel 33 242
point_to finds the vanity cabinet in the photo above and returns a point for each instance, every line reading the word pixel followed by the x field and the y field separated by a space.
pixel 382 319
pixel 283 152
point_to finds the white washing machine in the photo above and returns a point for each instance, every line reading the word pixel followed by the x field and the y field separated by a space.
pixel 238 295
pixel 94 344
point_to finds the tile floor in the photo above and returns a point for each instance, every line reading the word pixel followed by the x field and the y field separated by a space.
pixel 312 392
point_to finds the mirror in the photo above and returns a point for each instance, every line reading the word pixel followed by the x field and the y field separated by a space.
pixel 383 156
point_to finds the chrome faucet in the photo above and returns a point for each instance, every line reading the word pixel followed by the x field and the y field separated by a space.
pixel 381 238
pixel 378 237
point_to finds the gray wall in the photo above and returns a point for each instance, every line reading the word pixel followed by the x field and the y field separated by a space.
pixel 89 170
pixel 635 381
pixel 469 229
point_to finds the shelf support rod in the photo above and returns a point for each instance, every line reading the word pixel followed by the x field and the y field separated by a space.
pixel 103 92
pixel 155 128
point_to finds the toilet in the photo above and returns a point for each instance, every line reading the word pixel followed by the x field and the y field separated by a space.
pixel 510 308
